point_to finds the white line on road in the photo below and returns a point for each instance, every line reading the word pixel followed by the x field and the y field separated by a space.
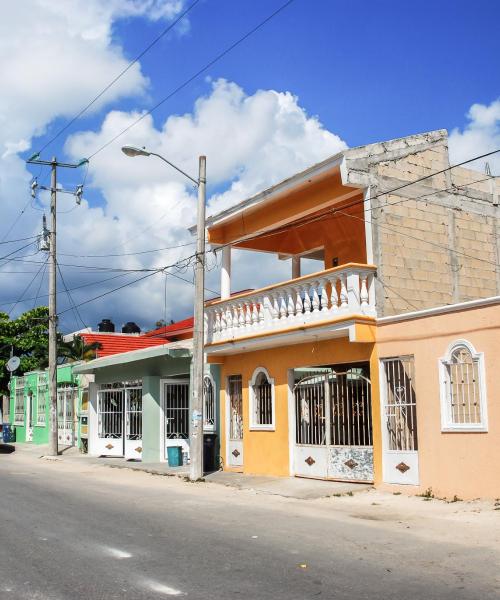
pixel 164 589
pixel 116 553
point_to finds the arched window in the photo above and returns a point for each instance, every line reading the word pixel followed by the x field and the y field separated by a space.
pixel 463 391
pixel 209 404
pixel 262 408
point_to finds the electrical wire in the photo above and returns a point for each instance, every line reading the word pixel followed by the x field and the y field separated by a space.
pixel 76 312
pixel 113 81
pixel 186 82
pixel 9 312
pixel 127 253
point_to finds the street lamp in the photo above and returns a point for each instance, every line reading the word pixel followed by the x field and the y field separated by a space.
pixel 196 429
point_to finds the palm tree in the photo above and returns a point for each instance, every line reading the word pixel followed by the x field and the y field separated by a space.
pixel 77 349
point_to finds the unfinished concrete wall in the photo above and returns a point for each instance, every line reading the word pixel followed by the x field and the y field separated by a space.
pixel 435 242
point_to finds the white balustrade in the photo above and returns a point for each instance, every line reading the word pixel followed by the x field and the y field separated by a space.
pixel 322 296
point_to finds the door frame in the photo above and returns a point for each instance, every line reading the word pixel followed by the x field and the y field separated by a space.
pixel 392 472
pixel 184 443
pixel 228 425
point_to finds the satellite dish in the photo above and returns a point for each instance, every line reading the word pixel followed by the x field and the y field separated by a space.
pixel 13 363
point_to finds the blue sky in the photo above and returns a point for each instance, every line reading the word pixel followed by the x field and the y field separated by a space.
pixel 367 71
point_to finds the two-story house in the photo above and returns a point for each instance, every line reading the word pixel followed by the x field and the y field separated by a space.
pixel 305 390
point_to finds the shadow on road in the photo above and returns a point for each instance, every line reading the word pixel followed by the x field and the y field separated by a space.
pixel 7 449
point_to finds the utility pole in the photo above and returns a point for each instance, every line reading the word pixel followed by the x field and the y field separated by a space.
pixel 196 434
pixel 34 160
pixel 53 446
pixel 196 400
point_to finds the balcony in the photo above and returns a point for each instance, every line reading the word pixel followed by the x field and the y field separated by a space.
pixel 338 295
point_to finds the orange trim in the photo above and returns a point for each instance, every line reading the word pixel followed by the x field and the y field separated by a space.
pixel 295 281
pixel 362 319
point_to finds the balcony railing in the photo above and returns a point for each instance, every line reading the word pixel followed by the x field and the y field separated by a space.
pixel 323 296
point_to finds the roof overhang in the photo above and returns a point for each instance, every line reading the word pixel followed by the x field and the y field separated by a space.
pixel 173 351
pixel 283 188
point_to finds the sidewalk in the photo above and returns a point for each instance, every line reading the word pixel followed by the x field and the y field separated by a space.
pixel 288 487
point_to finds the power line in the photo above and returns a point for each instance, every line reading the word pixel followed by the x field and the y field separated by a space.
pixel 9 312
pixel 195 75
pixel 76 312
pixel 31 237
pixel 16 220
pixel 113 81
pixel 127 253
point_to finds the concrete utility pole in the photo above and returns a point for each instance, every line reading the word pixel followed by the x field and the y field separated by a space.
pixel 196 404
pixel 53 449
pixel 196 433
pixel 34 160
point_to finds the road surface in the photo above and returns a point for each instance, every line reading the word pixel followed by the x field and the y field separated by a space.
pixel 70 530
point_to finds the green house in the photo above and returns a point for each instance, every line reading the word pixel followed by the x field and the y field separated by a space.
pixel 30 406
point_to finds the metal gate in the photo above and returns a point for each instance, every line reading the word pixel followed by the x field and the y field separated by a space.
pixel 234 408
pixel 66 398
pixel 333 426
pixel 175 405
pixel 119 420
pixel 399 421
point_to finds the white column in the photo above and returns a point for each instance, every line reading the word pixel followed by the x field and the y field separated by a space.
pixel 295 267
pixel 225 273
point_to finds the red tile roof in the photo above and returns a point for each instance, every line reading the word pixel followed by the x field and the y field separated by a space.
pixel 171 330
pixel 114 343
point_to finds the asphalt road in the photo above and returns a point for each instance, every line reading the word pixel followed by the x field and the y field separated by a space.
pixel 70 532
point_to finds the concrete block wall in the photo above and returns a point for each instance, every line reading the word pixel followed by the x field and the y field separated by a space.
pixel 436 242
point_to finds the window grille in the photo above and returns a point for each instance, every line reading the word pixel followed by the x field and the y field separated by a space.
pixel 462 388
pixel 262 410
pixel 209 404
pixel 400 403
pixel 235 407
pixel 134 416
pixel 176 410
pixel 42 399
pixel 19 401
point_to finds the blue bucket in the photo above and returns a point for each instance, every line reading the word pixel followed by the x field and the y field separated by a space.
pixel 174 456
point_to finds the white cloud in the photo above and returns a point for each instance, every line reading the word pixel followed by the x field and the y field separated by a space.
pixel 251 142
pixel 480 135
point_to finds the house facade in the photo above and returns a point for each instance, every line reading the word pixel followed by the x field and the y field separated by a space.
pixel 139 402
pixel 305 364
pixel 30 407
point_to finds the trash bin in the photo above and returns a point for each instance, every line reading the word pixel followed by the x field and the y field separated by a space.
pixel 9 433
pixel 210 462
pixel 174 456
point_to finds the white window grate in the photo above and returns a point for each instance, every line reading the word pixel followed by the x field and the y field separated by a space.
pixel 261 388
pixel 19 401
pixel 42 399
pixel 209 404
pixel 463 393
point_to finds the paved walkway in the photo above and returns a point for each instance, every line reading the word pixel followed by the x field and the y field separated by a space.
pixel 289 487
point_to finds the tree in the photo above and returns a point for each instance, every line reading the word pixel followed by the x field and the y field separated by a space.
pixel 28 337
pixel 77 349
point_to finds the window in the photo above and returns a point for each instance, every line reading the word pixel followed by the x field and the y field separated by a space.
pixel 209 404
pixel 261 400
pixel 42 394
pixel 463 389
pixel 19 402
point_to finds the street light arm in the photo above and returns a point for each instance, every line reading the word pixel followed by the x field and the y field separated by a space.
pixel 196 182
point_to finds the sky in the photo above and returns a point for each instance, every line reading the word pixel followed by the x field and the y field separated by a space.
pixel 320 76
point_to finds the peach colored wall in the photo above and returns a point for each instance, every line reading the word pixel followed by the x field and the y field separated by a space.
pixel 465 464
pixel 267 452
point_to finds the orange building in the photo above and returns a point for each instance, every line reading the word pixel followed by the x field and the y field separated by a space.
pixel 344 373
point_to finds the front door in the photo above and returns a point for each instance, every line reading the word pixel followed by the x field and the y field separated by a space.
pixel 234 408
pixel 333 425
pixel 175 405
pixel 65 415
pixel 119 420
pixel 399 421
pixel 29 417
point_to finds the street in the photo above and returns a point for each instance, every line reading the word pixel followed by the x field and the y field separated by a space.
pixel 73 530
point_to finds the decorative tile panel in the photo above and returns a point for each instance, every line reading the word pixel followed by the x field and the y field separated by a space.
pixel 350 463
pixel 310 461
pixel 235 453
pixel 402 467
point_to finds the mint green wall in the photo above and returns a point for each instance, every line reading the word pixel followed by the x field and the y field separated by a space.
pixel 151 416
pixel 40 432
